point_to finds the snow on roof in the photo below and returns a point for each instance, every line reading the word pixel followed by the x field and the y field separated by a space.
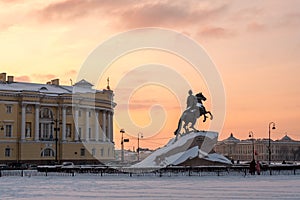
pixel 231 138
pixel 81 87
pixel 83 83
pixel 286 139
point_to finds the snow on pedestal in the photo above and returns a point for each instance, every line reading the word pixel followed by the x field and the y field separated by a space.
pixel 195 145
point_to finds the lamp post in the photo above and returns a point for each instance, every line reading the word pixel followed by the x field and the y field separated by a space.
pixel 56 129
pixel 138 149
pixel 269 147
pixel 122 145
pixel 251 135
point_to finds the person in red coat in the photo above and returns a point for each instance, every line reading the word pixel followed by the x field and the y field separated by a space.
pixel 257 167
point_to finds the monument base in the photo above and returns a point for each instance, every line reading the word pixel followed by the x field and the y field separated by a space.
pixel 193 149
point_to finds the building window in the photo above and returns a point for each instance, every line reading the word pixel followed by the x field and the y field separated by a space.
pixel 90 133
pixel 47 153
pixel 79 113
pixel 108 152
pixel 46 113
pixel 8 130
pixel 93 151
pixel 102 152
pixel 28 129
pixel 90 114
pixel 82 152
pixel 69 130
pixel 9 109
pixel 46 131
pixel 43 88
pixel 7 152
pixel 79 132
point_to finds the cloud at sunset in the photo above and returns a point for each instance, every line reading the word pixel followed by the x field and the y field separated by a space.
pixel 22 79
pixel 44 76
pixel 216 32
pixel 165 14
pixel 254 26
pixel 143 13
pixel 255 47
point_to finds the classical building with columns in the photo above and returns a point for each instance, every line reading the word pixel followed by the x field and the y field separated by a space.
pixel 53 123
pixel 284 149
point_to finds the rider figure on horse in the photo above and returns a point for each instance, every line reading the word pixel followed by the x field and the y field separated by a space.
pixel 191 102
pixel 194 110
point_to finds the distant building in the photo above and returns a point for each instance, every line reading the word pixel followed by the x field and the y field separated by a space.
pixel 132 156
pixel 33 116
pixel 285 149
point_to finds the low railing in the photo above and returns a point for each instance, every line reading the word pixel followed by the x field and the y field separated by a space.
pixel 167 171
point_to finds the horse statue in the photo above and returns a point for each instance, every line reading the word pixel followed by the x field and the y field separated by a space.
pixel 192 113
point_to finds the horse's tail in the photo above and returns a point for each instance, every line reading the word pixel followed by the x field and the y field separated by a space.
pixel 211 116
pixel 179 126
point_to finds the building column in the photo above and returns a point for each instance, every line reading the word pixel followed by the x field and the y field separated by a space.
pixel 51 131
pixel 104 125
pixel 42 130
pixel 76 138
pixel 37 122
pixel 96 126
pixel 23 122
pixel 109 127
pixel 64 123
pixel 112 127
pixel 87 125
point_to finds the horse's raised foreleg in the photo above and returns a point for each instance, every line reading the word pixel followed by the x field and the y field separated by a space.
pixel 211 116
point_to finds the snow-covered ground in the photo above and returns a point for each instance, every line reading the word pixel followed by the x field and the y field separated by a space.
pixel 150 187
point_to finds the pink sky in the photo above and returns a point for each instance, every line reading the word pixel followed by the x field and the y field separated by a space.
pixel 255 45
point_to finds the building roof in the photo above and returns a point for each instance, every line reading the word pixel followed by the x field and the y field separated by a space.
pixel 83 83
pixel 231 138
pixel 286 139
pixel 82 87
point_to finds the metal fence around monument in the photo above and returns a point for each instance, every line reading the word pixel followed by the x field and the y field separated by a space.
pixel 161 172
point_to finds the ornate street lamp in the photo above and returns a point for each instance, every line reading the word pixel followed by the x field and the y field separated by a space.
pixel 138 149
pixel 56 129
pixel 269 147
pixel 251 135
pixel 122 145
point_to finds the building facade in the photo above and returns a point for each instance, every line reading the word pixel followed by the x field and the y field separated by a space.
pixel 285 149
pixel 52 123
